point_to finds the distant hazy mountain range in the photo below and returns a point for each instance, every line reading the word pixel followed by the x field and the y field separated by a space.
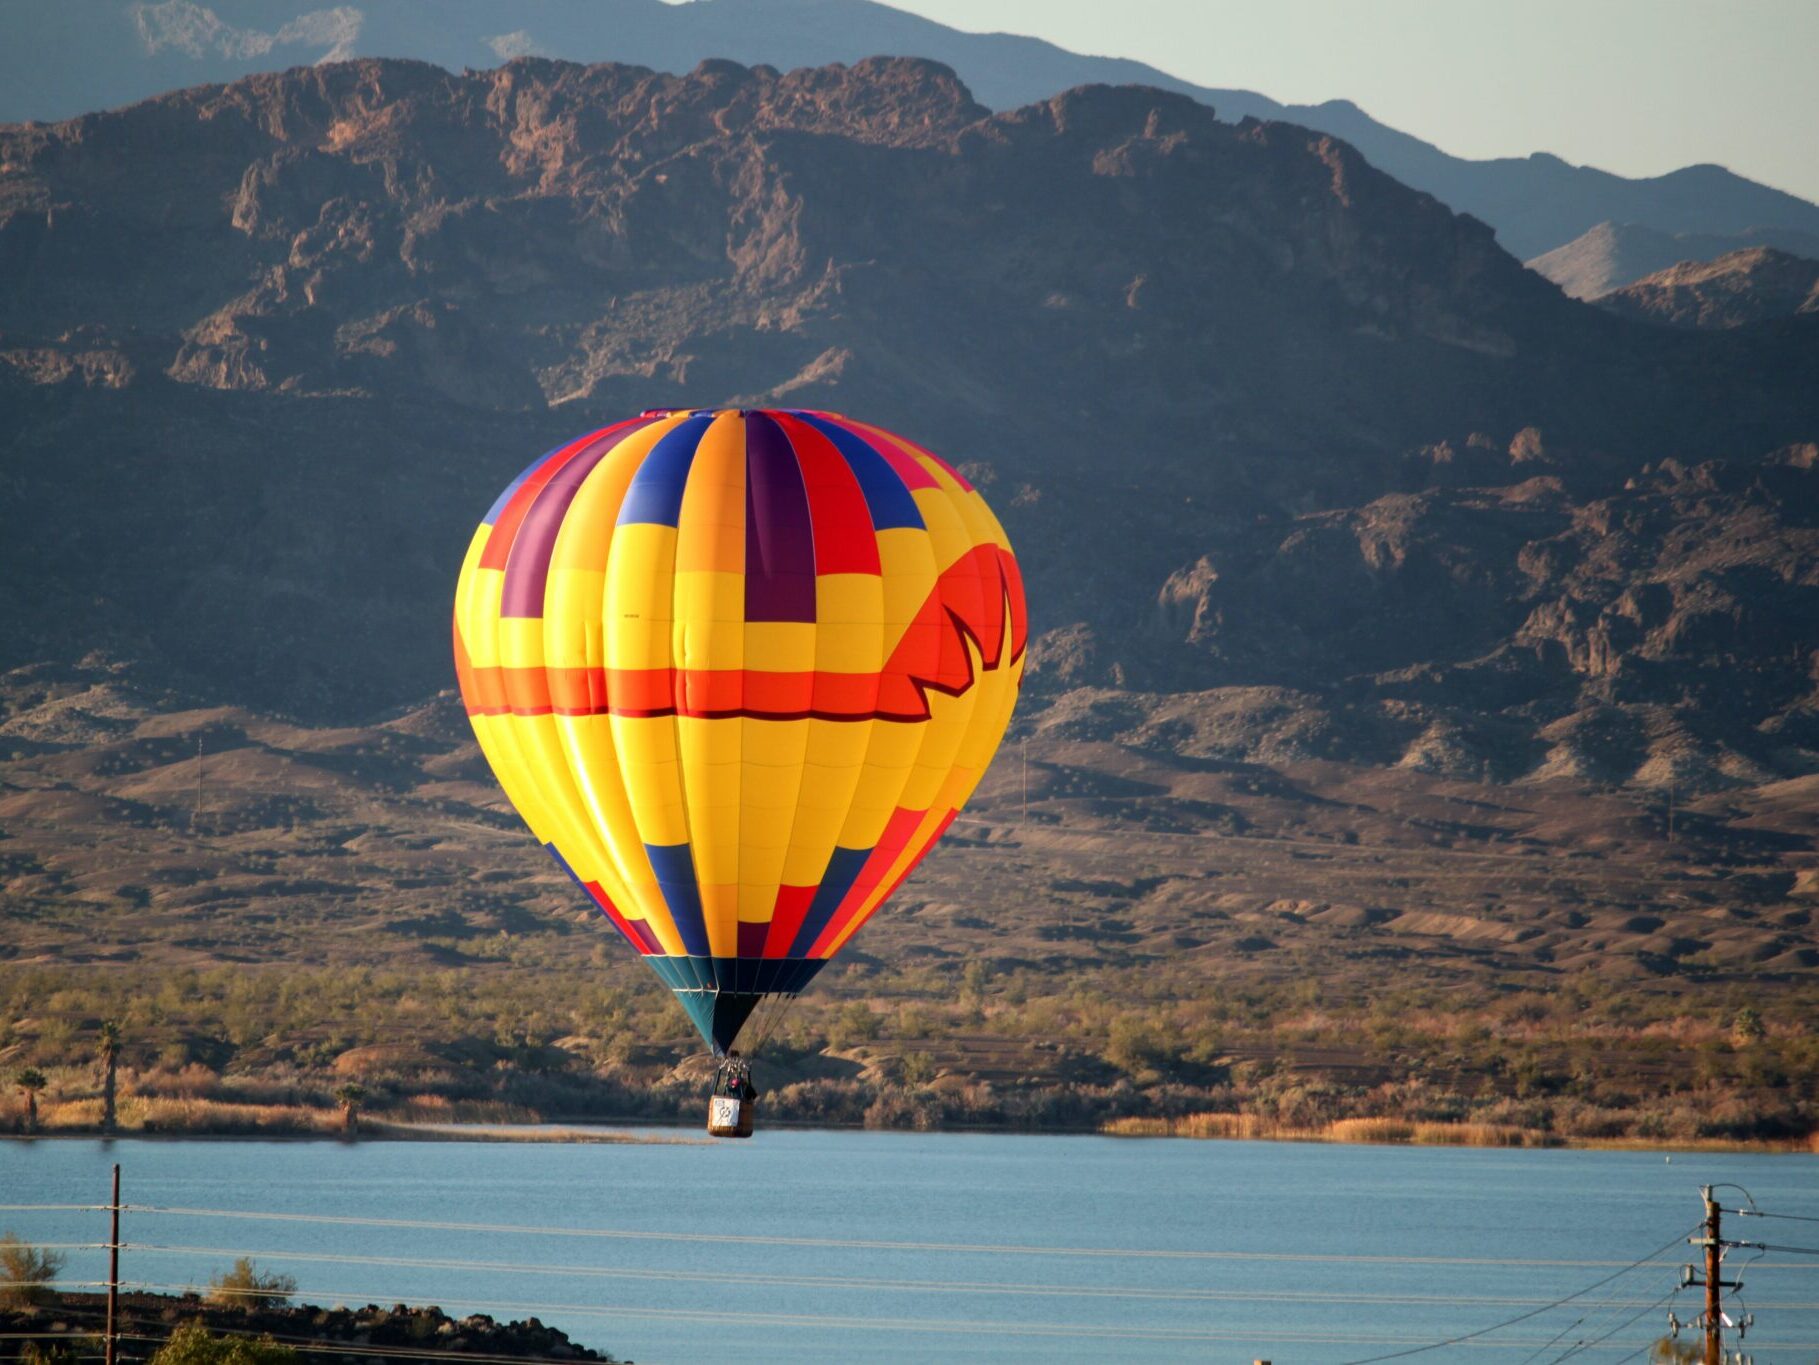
pixel 1737 289
pixel 1613 255
pixel 58 60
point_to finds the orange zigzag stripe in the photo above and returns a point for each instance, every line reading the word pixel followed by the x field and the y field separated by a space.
pixel 931 656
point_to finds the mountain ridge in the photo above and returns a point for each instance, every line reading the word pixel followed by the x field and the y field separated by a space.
pixel 1537 203
pixel 1734 290
pixel 1612 255
pixel 389 285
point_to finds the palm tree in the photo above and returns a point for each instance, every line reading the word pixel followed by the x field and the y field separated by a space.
pixel 30 1081
pixel 108 1049
pixel 350 1096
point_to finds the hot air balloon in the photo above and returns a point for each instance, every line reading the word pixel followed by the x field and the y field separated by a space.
pixel 739 670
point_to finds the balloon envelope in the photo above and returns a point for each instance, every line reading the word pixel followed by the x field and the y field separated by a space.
pixel 738 670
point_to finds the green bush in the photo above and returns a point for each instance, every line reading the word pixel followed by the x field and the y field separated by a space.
pixel 194 1344
pixel 26 1273
pixel 1136 1045
pixel 246 1286
pixel 854 1024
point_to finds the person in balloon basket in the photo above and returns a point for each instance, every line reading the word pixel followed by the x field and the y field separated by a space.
pixel 735 1078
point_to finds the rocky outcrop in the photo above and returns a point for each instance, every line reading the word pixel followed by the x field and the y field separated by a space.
pixel 1674 613
pixel 1738 288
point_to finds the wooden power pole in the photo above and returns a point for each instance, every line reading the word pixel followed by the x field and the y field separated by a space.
pixel 113 1269
pixel 1714 1316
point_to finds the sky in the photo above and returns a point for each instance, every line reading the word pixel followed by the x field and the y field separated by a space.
pixel 1638 87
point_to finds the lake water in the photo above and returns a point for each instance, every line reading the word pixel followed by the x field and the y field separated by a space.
pixel 837 1246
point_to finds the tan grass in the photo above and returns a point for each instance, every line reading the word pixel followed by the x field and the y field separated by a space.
pixel 441 1109
pixel 163 1115
pixel 1197 1126
pixel 1386 1130
pixel 1371 1130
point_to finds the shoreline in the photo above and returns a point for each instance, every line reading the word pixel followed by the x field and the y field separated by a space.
pixel 1195 1128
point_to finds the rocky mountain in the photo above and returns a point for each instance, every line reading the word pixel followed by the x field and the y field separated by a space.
pixel 1739 287
pixel 58 61
pixel 1298 462
pixel 1612 255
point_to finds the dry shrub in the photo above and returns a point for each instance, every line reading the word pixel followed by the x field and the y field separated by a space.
pixel 193 1081
pixel 420 1109
pixel 1583 1120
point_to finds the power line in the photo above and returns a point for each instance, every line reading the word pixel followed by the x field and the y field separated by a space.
pixel 1552 1341
pixel 69 1246
pixel 1592 1314
pixel 867 1283
pixel 1533 1312
pixel 1587 1345
pixel 867 1244
pixel 1611 1313
pixel 1758 1213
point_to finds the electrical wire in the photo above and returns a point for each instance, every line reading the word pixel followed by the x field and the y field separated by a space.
pixel 1758 1213
pixel 1640 1350
pixel 1534 1312
pixel 865 1244
pixel 1551 1342
pixel 72 1246
pixel 869 1284
pixel 1608 1313
pixel 1586 1346
pixel 1592 1313
pixel 1791 1251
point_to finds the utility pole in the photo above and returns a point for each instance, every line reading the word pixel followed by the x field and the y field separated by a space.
pixel 1714 1283
pixel 1714 1318
pixel 113 1269
pixel 198 782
